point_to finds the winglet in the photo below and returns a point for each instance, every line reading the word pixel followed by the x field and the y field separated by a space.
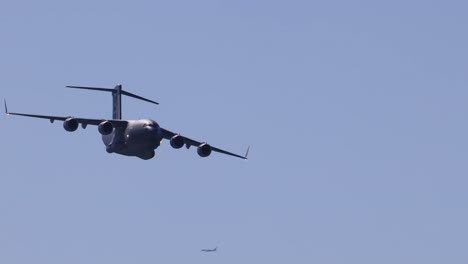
pixel 247 152
pixel 6 108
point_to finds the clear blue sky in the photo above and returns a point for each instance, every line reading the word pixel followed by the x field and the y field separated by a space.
pixel 356 113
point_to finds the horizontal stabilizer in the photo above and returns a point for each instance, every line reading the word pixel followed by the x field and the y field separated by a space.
pixel 138 97
pixel 92 88
pixel 113 90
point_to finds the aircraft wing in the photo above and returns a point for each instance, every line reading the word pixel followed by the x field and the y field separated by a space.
pixel 190 142
pixel 83 121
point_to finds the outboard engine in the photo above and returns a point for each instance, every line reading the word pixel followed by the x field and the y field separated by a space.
pixel 105 128
pixel 204 150
pixel 70 124
pixel 177 141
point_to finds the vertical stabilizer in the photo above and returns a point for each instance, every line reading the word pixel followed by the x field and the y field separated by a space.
pixel 117 102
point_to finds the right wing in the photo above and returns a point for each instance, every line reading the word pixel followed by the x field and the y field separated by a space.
pixel 83 121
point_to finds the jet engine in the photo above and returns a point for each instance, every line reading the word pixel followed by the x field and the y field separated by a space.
pixel 70 124
pixel 105 128
pixel 177 141
pixel 204 150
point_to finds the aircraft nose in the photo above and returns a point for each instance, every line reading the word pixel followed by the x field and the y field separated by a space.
pixel 152 131
pixel 149 130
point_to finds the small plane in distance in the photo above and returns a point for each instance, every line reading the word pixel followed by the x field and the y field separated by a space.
pixel 138 138
pixel 210 250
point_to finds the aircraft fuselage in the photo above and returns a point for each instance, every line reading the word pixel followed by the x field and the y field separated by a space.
pixel 139 138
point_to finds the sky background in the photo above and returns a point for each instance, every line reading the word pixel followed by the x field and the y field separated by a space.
pixel 356 113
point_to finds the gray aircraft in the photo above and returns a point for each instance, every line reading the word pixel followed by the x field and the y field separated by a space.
pixel 137 138
pixel 210 250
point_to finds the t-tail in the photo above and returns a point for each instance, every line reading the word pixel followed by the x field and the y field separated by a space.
pixel 117 93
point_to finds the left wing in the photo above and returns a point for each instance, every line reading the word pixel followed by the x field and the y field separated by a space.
pixel 190 142
pixel 83 121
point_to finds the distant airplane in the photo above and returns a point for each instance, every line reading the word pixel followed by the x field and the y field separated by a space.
pixel 137 138
pixel 210 250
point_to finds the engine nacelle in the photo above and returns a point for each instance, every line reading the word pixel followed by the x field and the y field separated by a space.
pixel 204 150
pixel 105 128
pixel 177 141
pixel 70 124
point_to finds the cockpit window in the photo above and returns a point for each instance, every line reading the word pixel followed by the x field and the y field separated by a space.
pixel 149 123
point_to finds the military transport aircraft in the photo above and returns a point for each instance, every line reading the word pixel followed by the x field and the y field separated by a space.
pixel 137 138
